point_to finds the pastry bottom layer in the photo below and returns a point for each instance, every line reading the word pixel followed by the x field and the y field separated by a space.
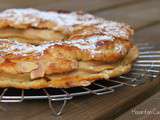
pixel 74 79
pixel 71 79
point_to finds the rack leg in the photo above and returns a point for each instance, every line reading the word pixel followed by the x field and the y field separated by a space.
pixel 57 111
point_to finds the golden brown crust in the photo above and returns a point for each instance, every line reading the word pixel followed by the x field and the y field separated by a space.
pixel 40 45
pixel 65 82
pixel 83 77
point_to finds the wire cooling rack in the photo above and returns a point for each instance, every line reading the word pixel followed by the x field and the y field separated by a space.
pixel 146 68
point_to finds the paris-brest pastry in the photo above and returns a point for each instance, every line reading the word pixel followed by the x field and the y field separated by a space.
pixel 41 49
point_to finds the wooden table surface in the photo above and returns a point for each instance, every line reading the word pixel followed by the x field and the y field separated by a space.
pixel 144 16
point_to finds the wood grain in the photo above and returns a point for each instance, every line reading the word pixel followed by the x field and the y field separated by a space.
pixel 85 5
pixel 137 15
pixel 149 34
pixel 148 110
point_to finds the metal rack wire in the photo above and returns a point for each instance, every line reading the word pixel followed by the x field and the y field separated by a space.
pixel 146 68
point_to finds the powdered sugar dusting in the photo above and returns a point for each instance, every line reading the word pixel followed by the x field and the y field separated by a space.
pixel 89 42
pixel 13 47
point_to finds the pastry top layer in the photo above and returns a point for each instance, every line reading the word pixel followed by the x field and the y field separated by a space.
pixel 26 18
pixel 83 31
